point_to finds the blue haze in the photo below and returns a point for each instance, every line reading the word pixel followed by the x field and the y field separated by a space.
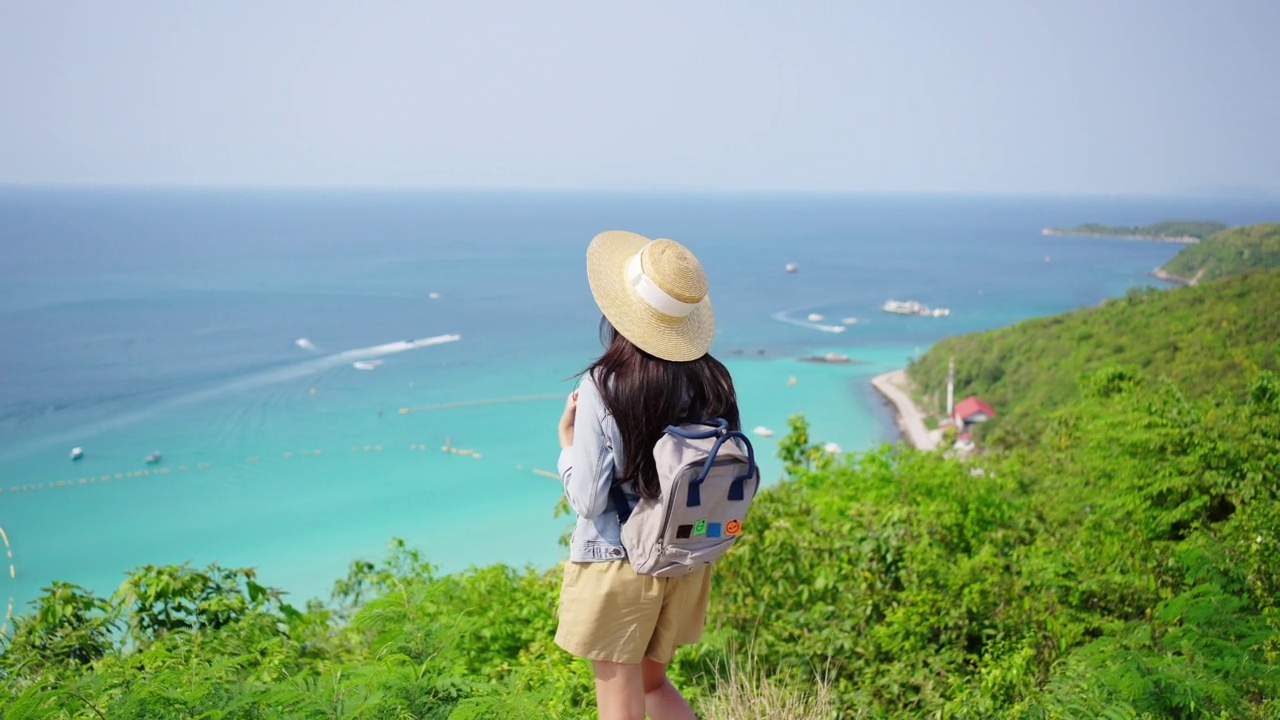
pixel 1091 96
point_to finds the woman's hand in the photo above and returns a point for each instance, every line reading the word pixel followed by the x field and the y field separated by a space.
pixel 567 419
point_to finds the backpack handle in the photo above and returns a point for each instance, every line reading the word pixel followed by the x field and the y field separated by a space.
pixel 719 430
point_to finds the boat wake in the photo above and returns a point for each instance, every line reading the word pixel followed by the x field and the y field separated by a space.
pixel 310 367
pixel 781 316
pixel 390 348
pixel 252 382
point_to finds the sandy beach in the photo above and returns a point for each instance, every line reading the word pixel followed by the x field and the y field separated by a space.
pixel 894 386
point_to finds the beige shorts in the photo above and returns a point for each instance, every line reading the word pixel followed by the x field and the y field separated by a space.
pixel 608 612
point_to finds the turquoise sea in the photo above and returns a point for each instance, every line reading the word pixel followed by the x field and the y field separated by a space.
pixel 220 327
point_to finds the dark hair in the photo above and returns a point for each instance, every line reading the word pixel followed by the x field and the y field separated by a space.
pixel 645 394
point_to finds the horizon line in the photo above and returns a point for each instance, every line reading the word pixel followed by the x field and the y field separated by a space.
pixel 1246 193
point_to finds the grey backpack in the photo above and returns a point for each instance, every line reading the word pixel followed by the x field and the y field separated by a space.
pixel 708 476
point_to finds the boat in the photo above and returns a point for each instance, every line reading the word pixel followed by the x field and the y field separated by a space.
pixel 850 321
pixel 791 267
pixel 902 307
pixel 911 307
pixel 153 458
pixel 366 364
pixel 77 453
pixel 763 431
pixel 815 317
pixel 830 357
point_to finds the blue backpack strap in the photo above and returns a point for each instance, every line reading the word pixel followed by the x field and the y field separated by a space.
pixel 620 503
pixel 719 429
pixel 736 489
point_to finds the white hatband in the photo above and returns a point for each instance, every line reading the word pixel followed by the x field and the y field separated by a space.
pixel 656 297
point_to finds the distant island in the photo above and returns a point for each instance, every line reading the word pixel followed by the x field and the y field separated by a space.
pixel 1176 231
pixel 1218 252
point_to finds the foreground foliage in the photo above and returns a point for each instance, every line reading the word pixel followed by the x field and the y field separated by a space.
pixel 1128 564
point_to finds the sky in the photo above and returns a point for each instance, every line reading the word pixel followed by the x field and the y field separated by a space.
pixel 1024 96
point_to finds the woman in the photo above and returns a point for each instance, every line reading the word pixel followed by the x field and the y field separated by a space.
pixel 655 371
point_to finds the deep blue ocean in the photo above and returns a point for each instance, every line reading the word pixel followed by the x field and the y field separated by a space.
pixel 220 327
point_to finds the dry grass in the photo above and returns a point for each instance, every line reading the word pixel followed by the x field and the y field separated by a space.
pixel 744 694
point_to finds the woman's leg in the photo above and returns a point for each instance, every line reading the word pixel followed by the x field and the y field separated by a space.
pixel 620 690
pixel 661 699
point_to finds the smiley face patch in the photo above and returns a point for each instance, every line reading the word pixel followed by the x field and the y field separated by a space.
pixel 733 527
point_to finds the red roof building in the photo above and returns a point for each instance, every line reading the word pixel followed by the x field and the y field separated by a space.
pixel 972 410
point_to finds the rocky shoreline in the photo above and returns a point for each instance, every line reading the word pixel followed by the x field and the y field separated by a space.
pixel 1160 274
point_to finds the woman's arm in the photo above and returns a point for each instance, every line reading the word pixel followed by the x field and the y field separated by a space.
pixel 586 459
pixel 567 419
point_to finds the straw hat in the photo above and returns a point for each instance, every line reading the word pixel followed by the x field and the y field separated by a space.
pixel 653 292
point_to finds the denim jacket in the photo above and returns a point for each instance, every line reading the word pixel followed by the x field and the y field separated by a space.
pixel 587 469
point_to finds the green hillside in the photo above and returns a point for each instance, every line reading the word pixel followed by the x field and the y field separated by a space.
pixel 1210 338
pixel 1230 252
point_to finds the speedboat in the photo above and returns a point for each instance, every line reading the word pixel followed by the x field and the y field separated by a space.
pixel 153 457
pixel 763 431
pixel 791 267
pixel 909 307
pixel 77 453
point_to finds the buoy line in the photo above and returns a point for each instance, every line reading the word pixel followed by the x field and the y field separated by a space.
pixel 471 403
pixel 285 455
pixel 106 477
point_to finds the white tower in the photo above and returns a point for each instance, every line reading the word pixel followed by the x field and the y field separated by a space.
pixel 951 387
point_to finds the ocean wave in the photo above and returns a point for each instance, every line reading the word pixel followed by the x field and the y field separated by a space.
pixel 782 316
